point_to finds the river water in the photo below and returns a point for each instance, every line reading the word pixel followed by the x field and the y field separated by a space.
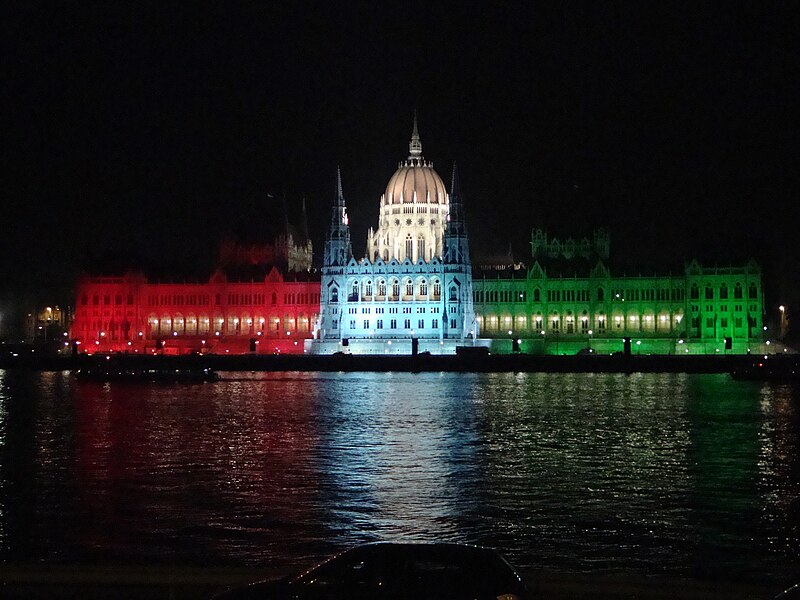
pixel 672 474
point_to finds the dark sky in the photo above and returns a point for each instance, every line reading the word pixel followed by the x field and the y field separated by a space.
pixel 152 129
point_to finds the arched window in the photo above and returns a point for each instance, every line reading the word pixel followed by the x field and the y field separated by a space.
pixel 421 248
pixel 752 292
pixel 334 294
pixel 423 288
pixel 368 288
pixel 274 298
pixel 737 291
pixel 395 288
pixel 381 287
pixel 694 294
pixel 409 247
pixel 354 292
pixel 536 294
pixel 409 288
pixel 600 294
pixel 453 293
pixel 709 292
pixel 723 292
pixel 437 289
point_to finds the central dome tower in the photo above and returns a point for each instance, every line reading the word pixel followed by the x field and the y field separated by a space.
pixel 413 211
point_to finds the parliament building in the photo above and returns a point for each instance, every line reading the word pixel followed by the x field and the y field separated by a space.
pixel 416 289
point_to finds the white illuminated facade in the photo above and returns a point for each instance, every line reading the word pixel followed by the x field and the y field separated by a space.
pixel 415 282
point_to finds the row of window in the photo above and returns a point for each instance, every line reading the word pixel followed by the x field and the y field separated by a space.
pixel 364 291
pixel 722 292
pixel 366 324
pixel 409 209
pixel 204 299
pixel 521 296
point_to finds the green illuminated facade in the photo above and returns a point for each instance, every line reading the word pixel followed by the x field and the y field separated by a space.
pixel 569 301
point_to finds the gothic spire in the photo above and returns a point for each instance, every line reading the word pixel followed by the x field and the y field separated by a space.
pixel 304 221
pixel 455 234
pixel 337 243
pixel 339 192
pixel 415 145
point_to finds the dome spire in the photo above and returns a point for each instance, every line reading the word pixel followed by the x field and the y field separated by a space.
pixel 415 145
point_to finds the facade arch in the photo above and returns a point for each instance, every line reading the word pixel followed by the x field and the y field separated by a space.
pixel 191 324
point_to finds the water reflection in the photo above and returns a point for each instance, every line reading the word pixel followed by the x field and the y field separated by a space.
pixel 646 473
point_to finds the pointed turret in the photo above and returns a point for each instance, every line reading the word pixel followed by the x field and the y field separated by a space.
pixel 304 222
pixel 337 243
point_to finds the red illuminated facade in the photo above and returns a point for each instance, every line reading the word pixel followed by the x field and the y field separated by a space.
pixel 261 298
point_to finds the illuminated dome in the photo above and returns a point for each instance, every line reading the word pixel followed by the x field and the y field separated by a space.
pixel 415 180
pixel 413 212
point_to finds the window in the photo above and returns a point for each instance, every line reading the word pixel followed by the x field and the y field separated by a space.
pixel 409 247
pixel 393 324
pixel 453 323
pixel 752 292
pixel 395 288
pixel 380 324
pixel 368 288
pixel 600 294
pixel 435 323
pixel 437 289
pixel 709 322
pixel 354 291
pixel 421 248
pixel 737 291
pixel 601 324
pixel 694 294
pixel 709 293
pixel 381 288
pixel 352 323
pixel 536 295
pixel 366 323
pixel 723 322
pixel 334 294
pixel 407 323
pixel 423 288
pixel 723 292
pixel 409 288
pixel 453 293
pixel 421 323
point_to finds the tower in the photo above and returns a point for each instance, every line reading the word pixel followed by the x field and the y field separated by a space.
pixel 458 313
pixel 338 253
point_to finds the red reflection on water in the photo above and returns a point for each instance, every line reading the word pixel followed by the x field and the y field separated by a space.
pixel 189 470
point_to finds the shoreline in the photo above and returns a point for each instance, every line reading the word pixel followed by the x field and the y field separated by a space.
pixel 529 363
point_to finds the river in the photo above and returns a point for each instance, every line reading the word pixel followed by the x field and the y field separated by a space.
pixel 670 474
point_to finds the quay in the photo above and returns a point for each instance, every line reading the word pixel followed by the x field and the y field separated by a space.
pixel 469 363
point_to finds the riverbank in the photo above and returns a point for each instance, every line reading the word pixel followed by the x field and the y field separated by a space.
pixel 59 582
pixel 592 363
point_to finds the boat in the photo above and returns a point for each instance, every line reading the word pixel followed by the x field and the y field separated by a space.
pixel 103 374
pixel 770 368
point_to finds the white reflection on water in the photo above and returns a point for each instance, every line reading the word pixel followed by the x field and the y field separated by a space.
pixel 638 473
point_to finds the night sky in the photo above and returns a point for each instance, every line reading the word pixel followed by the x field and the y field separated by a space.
pixel 148 131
